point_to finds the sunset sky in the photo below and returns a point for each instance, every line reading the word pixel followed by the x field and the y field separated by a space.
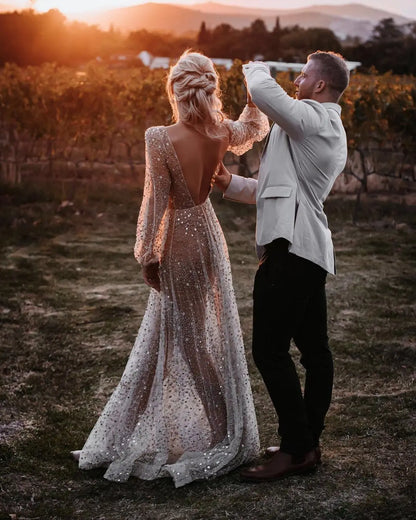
pixel 404 7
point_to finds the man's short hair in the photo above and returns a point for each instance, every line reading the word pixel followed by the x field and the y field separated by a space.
pixel 333 68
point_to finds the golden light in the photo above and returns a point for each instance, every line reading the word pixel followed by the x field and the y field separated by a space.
pixel 82 6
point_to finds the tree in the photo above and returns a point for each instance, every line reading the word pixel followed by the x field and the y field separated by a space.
pixel 223 39
pixel 28 38
pixel 390 47
pixel 274 42
pixel 257 42
pixel 297 43
pixel 204 36
pixel 386 31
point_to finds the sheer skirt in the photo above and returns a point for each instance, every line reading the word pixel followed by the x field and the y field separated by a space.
pixel 183 406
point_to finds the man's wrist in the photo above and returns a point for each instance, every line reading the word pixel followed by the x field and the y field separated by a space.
pixel 222 178
pixel 225 183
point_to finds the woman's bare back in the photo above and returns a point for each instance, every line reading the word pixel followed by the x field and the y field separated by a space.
pixel 199 157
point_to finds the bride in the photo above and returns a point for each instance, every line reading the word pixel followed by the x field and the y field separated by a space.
pixel 183 407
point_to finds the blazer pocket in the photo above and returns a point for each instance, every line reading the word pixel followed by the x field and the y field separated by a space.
pixel 276 191
pixel 276 213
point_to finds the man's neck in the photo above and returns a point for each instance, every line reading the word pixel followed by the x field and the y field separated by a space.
pixel 325 98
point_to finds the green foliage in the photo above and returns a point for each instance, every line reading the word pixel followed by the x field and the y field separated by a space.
pixel 390 48
pixel 288 44
pixel 233 88
pixel 51 113
pixel 158 44
pixel 53 109
pixel 298 43
pixel 380 109
pixel 379 115
pixel 29 38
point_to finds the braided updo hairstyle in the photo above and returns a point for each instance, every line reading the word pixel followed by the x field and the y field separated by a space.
pixel 193 90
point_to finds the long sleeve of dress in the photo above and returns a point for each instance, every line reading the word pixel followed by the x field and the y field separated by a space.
pixel 251 126
pixel 150 235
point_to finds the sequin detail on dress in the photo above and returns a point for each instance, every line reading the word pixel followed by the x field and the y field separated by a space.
pixel 183 407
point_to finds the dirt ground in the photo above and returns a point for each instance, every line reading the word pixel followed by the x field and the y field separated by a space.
pixel 71 301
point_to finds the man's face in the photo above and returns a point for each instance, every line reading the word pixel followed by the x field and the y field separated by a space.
pixel 306 81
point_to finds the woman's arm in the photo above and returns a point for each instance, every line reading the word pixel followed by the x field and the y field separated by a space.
pixel 251 126
pixel 149 234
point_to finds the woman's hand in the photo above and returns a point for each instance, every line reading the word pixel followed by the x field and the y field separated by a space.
pixel 222 178
pixel 249 100
pixel 151 276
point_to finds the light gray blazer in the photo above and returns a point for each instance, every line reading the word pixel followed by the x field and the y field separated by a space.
pixel 305 152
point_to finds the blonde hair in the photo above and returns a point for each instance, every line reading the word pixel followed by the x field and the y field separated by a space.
pixel 194 94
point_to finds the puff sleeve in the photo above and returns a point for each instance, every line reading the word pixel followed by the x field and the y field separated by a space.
pixel 150 223
pixel 251 126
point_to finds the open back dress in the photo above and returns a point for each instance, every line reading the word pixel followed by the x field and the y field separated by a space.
pixel 183 407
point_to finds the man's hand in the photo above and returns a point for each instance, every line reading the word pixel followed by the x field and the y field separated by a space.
pixel 222 178
pixel 151 276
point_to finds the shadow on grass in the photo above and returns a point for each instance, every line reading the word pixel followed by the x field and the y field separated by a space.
pixel 70 305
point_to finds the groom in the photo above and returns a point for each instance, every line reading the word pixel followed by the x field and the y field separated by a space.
pixel 305 152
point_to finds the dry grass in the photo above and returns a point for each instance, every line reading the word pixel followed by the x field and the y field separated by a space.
pixel 70 304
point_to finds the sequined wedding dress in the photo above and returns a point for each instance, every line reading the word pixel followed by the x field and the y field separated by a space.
pixel 183 407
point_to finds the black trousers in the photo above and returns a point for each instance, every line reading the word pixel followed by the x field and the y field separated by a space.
pixel 290 303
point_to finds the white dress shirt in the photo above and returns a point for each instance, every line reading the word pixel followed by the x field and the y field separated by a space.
pixel 305 152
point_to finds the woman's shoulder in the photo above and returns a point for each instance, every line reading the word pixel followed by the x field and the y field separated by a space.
pixel 228 123
pixel 153 132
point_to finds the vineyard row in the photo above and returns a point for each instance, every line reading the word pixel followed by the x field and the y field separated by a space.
pixel 59 120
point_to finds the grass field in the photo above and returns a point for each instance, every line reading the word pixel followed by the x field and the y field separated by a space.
pixel 71 302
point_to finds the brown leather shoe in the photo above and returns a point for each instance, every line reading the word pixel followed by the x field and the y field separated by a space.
pixel 272 450
pixel 279 466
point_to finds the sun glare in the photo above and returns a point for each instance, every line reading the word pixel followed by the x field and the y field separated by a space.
pixel 81 6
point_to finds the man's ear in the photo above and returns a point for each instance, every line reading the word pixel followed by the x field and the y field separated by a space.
pixel 320 86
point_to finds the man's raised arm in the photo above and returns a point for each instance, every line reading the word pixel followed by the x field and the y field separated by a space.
pixel 296 118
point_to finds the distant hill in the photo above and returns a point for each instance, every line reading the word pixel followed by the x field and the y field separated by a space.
pixel 218 8
pixel 349 19
pixel 357 12
pixel 351 11
pixel 344 20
